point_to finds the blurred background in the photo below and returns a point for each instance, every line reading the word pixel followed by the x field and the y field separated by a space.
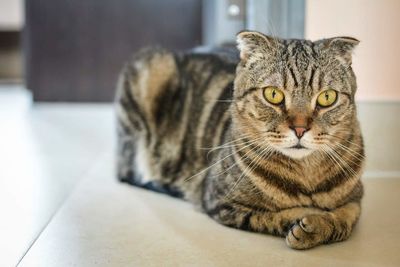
pixel 72 50
pixel 59 62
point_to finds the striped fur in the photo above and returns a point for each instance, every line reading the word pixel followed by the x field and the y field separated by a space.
pixel 196 126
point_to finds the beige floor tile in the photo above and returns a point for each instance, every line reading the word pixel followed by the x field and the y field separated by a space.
pixel 45 150
pixel 105 223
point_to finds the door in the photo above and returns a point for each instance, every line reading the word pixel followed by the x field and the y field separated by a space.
pixel 74 49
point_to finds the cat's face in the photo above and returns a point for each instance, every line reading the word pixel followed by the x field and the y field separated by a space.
pixel 294 96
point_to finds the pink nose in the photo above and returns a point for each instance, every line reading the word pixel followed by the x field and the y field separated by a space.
pixel 299 131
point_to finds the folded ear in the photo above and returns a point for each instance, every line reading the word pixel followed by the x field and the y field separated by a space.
pixel 252 43
pixel 342 47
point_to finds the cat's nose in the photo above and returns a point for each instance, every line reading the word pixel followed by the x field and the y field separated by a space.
pixel 300 123
pixel 299 131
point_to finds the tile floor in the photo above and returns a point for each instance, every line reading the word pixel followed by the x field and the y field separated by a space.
pixel 61 206
pixel 44 151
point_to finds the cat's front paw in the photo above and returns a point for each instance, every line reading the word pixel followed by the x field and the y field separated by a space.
pixel 309 232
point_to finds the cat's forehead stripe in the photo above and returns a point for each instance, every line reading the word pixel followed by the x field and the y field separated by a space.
pixel 300 66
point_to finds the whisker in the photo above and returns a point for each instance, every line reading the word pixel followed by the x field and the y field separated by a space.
pixel 220 100
pixel 234 164
pixel 243 136
pixel 345 164
pixel 327 150
pixel 248 169
pixel 250 142
pixel 207 168
pixel 351 151
pixel 350 142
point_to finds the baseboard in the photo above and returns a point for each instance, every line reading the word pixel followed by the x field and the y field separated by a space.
pixel 381 174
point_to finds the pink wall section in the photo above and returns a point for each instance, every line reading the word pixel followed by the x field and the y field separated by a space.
pixel 377 25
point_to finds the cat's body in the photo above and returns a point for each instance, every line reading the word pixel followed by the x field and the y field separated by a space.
pixel 193 126
pixel 174 120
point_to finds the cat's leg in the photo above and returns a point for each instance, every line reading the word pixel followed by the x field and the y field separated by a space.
pixel 250 219
pixel 303 227
pixel 332 226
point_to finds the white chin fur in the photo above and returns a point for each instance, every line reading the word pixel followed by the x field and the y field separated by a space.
pixel 296 153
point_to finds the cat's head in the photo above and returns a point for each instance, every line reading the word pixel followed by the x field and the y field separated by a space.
pixel 294 96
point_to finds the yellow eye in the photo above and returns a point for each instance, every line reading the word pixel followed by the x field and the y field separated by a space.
pixel 327 98
pixel 273 95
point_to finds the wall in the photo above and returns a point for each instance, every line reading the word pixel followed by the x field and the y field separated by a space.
pixel 283 18
pixel 219 26
pixel 11 15
pixel 74 49
pixel 376 24
pixel 11 23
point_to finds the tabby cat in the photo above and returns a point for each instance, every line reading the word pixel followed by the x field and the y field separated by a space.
pixel 265 140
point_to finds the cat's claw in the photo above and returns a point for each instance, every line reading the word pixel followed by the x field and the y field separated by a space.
pixel 309 232
pixel 306 225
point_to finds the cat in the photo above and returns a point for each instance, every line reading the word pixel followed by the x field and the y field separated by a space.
pixel 264 140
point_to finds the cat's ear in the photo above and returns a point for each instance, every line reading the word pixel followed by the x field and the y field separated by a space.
pixel 342 47
pixel 252 43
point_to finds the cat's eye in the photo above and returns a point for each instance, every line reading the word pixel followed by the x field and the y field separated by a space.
pixel 273 95
pixel 327 98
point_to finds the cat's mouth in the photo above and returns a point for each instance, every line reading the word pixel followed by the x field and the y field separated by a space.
pixel 298 146
pixel 297 151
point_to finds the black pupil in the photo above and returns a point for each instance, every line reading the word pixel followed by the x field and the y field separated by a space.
pixel 273 94
pixel 326 96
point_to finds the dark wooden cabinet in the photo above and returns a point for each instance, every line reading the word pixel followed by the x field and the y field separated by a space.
pixel 74 49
